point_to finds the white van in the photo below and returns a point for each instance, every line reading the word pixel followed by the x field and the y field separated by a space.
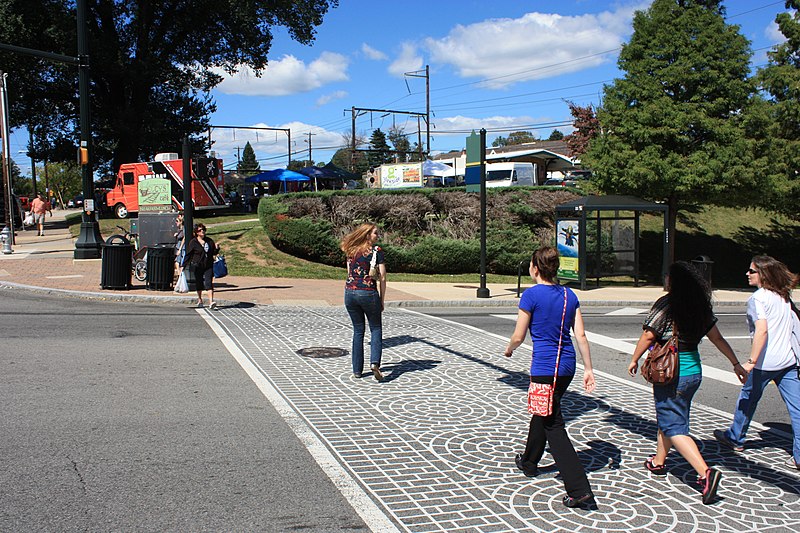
pixel 510 174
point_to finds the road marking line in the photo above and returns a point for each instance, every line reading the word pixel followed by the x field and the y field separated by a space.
pixel 375 519
pixel 626 347
pixel 65 277
pixel 627 311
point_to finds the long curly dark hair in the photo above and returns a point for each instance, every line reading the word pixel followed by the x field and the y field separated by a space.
pixel 689 300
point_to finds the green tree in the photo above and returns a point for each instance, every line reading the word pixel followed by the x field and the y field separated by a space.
pixel 672 127
pixel 152 64
pixel 297 164
pixel 400 143
pixel 556 135
pixel 514 138
pixel 65 180
pixel 779 139
pixel 249 165
pixel 380 152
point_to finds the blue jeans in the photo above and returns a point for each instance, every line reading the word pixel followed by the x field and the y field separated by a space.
pixel 360 304
pixel 673 403
pixel 789 387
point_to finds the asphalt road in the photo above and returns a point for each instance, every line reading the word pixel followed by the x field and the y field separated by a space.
pixel 610 325
pixel 134 417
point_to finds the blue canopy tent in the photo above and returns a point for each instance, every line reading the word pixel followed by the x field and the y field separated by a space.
pixel 279 174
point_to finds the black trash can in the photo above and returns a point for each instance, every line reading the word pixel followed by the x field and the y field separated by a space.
pixel 703 264
pixel 160 267
pixel 115 269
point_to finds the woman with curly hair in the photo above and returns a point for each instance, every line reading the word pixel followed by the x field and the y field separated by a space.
pixel 686 312
pixel 364 293
pixel 774 351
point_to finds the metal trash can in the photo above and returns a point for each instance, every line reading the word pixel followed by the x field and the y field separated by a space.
pixel 115 269
pixel 160 267
pixel 704 264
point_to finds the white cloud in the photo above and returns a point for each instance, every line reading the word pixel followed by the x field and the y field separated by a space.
pixel 773 33
pixel 407 61
pixel 326 99
pixel 372 53
pixel 534 46
pixel 271 146
pixel 463 125
pixel 287 75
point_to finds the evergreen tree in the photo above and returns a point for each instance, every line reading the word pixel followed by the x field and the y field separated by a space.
pixel 671 127
pixel 556 135
pixel 400 143
pixel 779 138
pixel 380 151
pixel 249 165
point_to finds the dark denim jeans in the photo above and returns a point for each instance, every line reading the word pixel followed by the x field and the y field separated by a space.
pixel 360 304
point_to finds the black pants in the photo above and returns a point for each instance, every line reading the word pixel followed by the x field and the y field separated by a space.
pixel 550 429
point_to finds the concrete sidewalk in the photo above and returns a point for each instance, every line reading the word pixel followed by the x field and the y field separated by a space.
pixel 45 264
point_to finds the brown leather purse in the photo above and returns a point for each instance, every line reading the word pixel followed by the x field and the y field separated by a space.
pixel 661 365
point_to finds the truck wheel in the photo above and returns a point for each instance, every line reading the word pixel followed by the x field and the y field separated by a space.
pixel 121 211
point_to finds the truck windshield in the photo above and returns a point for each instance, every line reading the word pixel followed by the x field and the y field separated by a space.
pixel 497 175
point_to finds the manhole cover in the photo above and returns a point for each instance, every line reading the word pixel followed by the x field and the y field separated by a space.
pixel 321 352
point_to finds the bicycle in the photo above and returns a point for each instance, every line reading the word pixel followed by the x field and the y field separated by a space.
pixel 138 257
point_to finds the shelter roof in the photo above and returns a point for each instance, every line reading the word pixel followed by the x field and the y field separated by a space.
pixel 611 203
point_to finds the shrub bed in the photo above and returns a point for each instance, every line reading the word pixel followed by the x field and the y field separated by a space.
pixel 423 230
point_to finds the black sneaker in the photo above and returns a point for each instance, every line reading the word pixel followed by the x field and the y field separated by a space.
pixel 658 470
pixel 529 471
pixel 709 483
pixel 569 501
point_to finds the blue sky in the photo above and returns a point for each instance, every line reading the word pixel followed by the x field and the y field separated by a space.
pixel 505 66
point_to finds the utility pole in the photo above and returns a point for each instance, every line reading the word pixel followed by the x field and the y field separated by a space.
pixel 285 130
pixel 427 76
pixel 358 111
pixel 8 204
pixel 33 162
pixel 310 163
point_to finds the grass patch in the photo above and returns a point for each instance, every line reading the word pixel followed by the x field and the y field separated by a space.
pixel 729 236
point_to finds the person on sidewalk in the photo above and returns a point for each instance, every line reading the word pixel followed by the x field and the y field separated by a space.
pixel 39 207
pixel 364 294
pixel 180 241
pixel 685 309
pixel 199 259
pixel 549 310
pixel 773 356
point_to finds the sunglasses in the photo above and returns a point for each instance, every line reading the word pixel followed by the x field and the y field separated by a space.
pixel 751 271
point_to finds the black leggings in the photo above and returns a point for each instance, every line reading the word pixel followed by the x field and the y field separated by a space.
pixel 550 429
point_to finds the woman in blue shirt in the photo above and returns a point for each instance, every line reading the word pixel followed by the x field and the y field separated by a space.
pixel 686 307
pixel 549 310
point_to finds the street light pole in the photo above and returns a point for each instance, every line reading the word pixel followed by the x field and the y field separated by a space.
pixel 87 246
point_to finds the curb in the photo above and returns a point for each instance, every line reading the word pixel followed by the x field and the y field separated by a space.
pixel 181 300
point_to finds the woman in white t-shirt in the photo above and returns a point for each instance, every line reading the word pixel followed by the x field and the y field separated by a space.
pixel 772 356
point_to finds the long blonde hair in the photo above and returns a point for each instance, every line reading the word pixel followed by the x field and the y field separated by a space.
pixel 358 241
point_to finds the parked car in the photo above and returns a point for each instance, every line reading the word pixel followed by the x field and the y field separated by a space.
pixel 560 182
pixel 75 202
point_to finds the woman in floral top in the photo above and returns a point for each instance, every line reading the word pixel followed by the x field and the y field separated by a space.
pixel 364 295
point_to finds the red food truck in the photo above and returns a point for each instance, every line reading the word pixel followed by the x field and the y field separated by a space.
pixel 207 183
